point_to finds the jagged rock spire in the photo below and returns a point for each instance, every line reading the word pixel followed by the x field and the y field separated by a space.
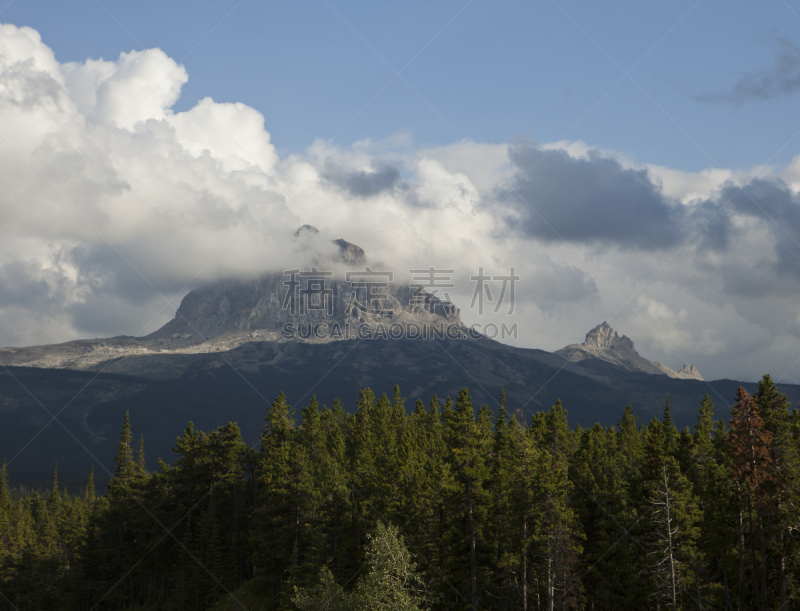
pixel 604 344
pixel 603 337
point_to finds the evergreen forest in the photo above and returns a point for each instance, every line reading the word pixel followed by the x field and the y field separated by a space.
pixel 446 506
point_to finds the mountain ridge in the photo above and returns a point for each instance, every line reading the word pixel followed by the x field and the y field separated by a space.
pixel 605 344
pixel 225 356
pixel 226 314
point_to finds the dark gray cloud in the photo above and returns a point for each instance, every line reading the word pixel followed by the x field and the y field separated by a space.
pixel 555 286
pixel 21 284
pixel 104 270
pixel 595 200
pixel 767 199
pixel 105 298
pixel 383 177
pixel 116 298
pixel 772 202
pixel 782 78
pixel 104 315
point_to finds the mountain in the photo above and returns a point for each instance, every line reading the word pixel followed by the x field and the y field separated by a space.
pixel 314 306
pixel 235 344
pixel 603 343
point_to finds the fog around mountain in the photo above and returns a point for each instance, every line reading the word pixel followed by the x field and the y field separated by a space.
pixel 113 209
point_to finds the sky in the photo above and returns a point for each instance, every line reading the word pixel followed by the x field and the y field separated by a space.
pixel 633 162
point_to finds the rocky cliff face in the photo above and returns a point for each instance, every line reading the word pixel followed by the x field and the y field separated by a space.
pixel 350 253
pixel 307 299
pixel 315 307
pixel 267 305
pixel 603 343
pixel 689 372
pixel 310 306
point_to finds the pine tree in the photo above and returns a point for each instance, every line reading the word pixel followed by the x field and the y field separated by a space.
pixel 505 549
pixel 6 516
pixel 338 504
pixel 362 449
pixel 391 580
pixel 704 428
pixel 320 482
pixel 753 470
pixel 497 513
pixel 276 527
pixel 124 458
pixel 89 493
pixel 670 432
pixel 391 458
pixel 54 498
pixel 604 470
pixel 141 468
pixel 559 533
pixel 427 483
pixel 670 520
pixel 708 471
pixel 630 441
pixel 468 445
pixel 782 514
pixel 522 507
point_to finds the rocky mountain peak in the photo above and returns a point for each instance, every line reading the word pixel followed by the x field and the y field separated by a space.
pixel 603 337
pixel 274 304
pixel 690 372
pixel 348 252
pixel 306 230
pixel 603 344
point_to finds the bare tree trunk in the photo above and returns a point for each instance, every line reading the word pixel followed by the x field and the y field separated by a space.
pixel 782 573
pixel 552 557
pixel 760 519
pixel 754 568
pixel 741 555
pixel 524 528
pixel 783 577
pixel 669 541
pixel 727 591
pixel 473 564
pixel 699 597
pixel 524 560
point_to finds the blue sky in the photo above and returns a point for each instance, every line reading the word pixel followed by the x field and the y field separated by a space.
pixel 496 71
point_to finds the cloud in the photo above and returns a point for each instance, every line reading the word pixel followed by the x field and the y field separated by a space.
pixel 150 203
pixel 22 285
pixel 554 287
pixel 380 177
pixel 778 210
pixel 589 199
pixel 780 79
pixel 140 85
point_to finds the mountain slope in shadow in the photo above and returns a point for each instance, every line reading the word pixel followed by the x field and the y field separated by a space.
pixel 238 386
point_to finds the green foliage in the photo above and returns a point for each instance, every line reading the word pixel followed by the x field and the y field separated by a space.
pixel 497 511
pixel 390 582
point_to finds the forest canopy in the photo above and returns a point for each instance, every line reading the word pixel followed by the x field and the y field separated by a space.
pixel 444 506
